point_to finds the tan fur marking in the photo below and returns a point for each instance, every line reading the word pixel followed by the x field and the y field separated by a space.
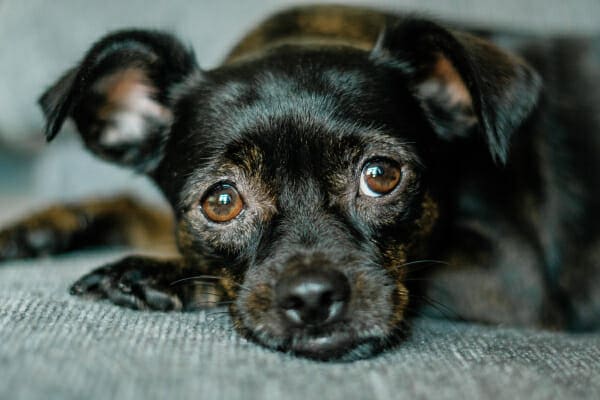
pixel 428 217
pixel 59 218
pixel 398 254
pixel 228 283
pixel 147 228
pixel 401 302
pixel 259 301
pixel 113 221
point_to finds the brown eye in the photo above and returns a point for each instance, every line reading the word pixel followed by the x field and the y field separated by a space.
pixel 379 177
pixel 222 203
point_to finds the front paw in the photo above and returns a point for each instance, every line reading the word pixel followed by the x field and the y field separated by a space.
pixel 135 282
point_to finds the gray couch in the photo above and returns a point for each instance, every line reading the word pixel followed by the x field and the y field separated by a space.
pixel 53 346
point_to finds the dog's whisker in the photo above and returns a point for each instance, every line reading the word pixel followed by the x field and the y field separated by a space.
pixel 212 316
pixel 423 262
pixel 445 310
pixel 215 303
pixel 199 278
pixel 418 265
pixel 217 314
pixel 416 311
pixel 195 277
pixel 212 293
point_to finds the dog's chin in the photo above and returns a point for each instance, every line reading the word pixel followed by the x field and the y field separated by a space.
pixel 334 347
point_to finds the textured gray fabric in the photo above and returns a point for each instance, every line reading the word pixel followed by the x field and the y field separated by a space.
pixel 53 346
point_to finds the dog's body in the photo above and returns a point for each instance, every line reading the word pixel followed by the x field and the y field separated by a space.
pixel 319 175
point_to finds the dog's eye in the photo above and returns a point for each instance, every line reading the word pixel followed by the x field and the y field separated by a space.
pixel 379 177
pixel 222 203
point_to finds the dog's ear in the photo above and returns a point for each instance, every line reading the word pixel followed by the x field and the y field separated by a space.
pixel 464 84
pixel 119 96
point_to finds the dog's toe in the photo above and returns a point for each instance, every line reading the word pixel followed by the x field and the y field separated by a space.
pixel 92 285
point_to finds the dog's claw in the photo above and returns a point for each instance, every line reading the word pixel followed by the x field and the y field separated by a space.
pixel 91 285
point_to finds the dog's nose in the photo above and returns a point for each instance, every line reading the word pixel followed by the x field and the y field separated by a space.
pixel 313 296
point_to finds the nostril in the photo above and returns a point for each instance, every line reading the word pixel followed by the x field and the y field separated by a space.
pixel 292 303
pixel 313 296
pixel 326 298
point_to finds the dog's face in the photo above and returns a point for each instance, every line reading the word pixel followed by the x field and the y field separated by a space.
pixel 303 176
pixel 309 200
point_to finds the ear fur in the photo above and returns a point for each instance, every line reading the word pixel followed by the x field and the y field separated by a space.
pixel 118 96
pixel 462 82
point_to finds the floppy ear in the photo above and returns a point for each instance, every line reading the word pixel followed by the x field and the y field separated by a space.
pixel 464 84
pixel 119 96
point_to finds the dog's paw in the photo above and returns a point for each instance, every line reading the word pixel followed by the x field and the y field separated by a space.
pixel 9 246
pixel 134 282
pixel 19 242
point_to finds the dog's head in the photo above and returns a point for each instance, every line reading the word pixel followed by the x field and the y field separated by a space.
pixel 306 175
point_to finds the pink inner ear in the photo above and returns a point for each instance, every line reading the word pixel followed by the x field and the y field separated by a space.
pixel 445 86
pixel 124 83
pixel 455 85
pixel 130 106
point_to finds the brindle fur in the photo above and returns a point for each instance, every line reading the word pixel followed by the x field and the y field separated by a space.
pixel 496 222
pixel 313 25
pixel 119 221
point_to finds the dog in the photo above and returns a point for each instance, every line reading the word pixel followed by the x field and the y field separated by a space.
pixel 343 170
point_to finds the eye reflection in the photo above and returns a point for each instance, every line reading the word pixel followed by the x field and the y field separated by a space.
pixel 224 199
pixel 374 172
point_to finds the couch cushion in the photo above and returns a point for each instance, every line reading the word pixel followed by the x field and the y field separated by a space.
pixel 54 346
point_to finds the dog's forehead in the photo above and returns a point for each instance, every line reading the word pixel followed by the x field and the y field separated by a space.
pixel 309 98
pixel 310 88
pixel 316 116
pixel 300 122
pixel 268 97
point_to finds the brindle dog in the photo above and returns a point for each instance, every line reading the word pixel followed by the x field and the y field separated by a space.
pixel 340 167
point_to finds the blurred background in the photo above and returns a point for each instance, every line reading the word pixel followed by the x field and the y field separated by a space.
pixel 40 39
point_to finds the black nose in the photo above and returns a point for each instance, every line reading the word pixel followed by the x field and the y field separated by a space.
pixel 311 296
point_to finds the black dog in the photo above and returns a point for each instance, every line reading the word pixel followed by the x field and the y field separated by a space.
pixel 334 155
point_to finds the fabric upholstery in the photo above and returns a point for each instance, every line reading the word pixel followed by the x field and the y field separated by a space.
pixel 54 346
